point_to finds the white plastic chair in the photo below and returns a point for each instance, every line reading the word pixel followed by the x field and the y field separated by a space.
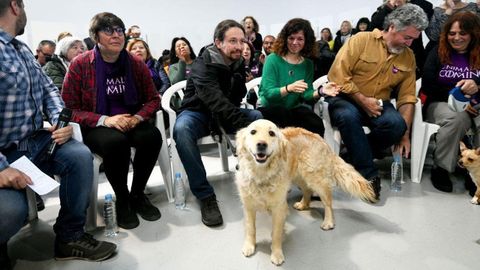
pixel 332 135
pixel 421 133
pixel 255 85
pixel 177 166
pixel 92 211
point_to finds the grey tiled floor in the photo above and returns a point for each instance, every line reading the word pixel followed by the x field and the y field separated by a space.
pixel 418 228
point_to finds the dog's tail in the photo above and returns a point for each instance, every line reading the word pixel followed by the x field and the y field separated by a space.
pixel 352 181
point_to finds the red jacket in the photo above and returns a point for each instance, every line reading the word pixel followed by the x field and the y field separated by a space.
pixel 80 92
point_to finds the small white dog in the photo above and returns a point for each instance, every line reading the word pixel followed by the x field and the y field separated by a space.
pixel 270 159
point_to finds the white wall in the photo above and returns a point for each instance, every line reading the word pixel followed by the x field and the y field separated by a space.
pixel 162 20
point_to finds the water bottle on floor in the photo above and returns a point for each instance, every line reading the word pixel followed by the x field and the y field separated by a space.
pixel 110 216
pixel 179 191
pixel 397 172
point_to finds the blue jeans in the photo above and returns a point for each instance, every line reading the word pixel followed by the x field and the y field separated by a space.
pixel 72 161
pixel 189 127
pixel 349 118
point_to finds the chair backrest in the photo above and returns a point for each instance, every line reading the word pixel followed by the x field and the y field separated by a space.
pixel 316 84
pixel 255 85
pixel 318 107
pixel 179 87
pixel 418 85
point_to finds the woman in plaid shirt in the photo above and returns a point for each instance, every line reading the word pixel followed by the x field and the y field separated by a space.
pixel 113 97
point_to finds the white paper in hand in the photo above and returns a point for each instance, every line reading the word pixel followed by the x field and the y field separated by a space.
pixel 42 183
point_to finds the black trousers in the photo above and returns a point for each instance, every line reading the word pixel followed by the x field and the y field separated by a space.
pixel 114 147
pixel 300 116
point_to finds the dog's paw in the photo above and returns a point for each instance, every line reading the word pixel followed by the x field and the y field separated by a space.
pixel 474 200
pixel 277 257
pixel 248 249
pixel 327 225
pixel 301 206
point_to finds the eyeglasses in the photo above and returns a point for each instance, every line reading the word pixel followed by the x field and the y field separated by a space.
pixel 46 54
pixel 109 30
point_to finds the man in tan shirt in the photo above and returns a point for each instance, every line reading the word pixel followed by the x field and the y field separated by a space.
pixel 371 67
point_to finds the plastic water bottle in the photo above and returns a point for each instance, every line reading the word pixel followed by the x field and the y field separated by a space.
pixel 110 216
pixel 179 191
pixel 397 172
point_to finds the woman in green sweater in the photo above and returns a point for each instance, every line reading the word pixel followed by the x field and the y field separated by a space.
pixel 287 79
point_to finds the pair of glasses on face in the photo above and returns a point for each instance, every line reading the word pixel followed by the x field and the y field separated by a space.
pixel 46 54
pixel 109 30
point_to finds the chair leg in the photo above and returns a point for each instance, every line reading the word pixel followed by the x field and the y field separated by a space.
pixel 177 165
pixel 420 140
pixel 32 205
pixel 165 167
pixel 222 149
pixel 92 211
pixel 417 149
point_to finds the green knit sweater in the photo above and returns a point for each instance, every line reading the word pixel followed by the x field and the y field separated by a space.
pixel 277 73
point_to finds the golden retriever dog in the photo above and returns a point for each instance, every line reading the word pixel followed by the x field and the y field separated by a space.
pixel 270 159
pixel 470 159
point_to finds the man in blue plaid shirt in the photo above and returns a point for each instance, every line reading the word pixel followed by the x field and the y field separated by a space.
pixel 25 93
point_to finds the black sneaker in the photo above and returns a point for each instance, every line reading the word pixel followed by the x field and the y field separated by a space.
pixel 211 215
pixel 142 205
pixel 376 185
pixel 441 179
pixel 126 216
pixel 85 248
pixel 4 259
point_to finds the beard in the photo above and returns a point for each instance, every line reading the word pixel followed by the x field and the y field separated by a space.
pixel 395 49
pixel 21 23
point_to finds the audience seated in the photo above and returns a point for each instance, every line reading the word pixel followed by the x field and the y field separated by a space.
pixel 181 59
pixel 45 51
pixel 324 60
pixel 326 36
pixel 440 16
pixel 417 46
pixel 252 33
pixel 251 66
pixel 287 79
pixel 67 49
pixel 139 48
pixel 63 35
pixel 362 25
pixel 457 56
pixel 343 35
pixel 268 44
pixel 113 98
pixel 267 49
pixel 212 97
pixel 369 67
pixel 165 60
pixel 23 97
pixel 132 32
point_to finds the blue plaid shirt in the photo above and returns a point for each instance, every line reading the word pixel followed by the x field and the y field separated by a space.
pixel 25 93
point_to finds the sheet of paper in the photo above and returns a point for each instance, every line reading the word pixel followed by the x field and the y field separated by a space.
pixel 42 183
